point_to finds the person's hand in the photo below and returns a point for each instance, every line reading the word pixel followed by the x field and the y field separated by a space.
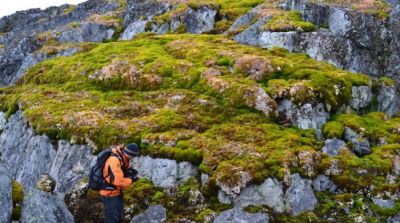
pixel 132 173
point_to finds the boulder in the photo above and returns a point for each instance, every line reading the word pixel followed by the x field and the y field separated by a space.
pixel 164 172
pixel 269 193
pixel 39 206
pixel 133 29
pixel 251 35
pixel 5 193
pixel 299 196
pixel 287 40
pixel 389 100
pixel 71 163
pixel 154 214
pixel 360 145
pixel 237 215
pixel 332 147
pixel 323 183
pixel 361 97
pixel 200 20
pixel 383 203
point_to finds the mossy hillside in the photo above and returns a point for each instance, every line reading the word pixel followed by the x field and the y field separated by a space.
pixel 102 97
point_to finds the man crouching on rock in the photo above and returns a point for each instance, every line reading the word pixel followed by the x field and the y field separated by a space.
pixel 118 175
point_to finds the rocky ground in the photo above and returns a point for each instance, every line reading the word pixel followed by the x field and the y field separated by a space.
pixel 247 111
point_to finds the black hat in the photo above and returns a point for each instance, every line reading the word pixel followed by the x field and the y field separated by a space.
pixel 131 150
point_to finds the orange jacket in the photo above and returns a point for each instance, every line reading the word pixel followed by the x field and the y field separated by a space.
pixel 113 164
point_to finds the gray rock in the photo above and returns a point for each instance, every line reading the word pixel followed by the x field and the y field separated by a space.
pixel 39 206
pixel 245 19
pixel 305 117
pixel 361 97
pixel 85 32
pixel 287 40
pixel 333 146
pixel 339 23
pixel 154 214
pixel 200 20
pixel 394 219
pixel 46 183
pixel 3 121
pixel 389 100
pixel 204 178
pixel 133 29
pixel 71 163
pixel 316 14
pixel 360 145
pixel 28 155
pixel 300 196
pixel 237 215
pixel 252 34
pixel 323 183
pixel 163 172
pixel 269 193
pixel 382 203
pixel 5 193
pixel 144 10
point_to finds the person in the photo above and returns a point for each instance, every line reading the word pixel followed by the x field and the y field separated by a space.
pixel 118 175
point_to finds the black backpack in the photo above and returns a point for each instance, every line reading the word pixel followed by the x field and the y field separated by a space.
pixel 96 178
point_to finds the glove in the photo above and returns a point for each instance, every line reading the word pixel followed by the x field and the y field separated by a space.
pixel 131 173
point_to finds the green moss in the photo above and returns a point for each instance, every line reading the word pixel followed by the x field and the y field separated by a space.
pixel 202 216
pixel 142 193
pixel 289 21
pixel 17 198
pixel 333 130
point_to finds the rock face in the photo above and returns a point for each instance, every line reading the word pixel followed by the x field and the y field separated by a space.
pixel 269 193
pixel 39 206
pixel 300 196
pixel 354 41
pixel 237 215
pixel 360 145
pixel 5 193
pixel 164 172
pixel 200 20
pixel 333 146
pixel 154 214
pixel 389 100
pixel 305 117
pixel 382 203
pixel 361 97
pixel 323 183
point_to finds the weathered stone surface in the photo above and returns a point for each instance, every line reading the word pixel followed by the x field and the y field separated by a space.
pixel 71 163
pixel 154 214
pixel 3 121
pixel 299 196
pixel 144 10
pixel 333 146
pixel 237 215
pixel 323 183
pixel 389 100
pixel 39 206
pixel 269 193
pixel 28 155
pixel 232 190
pixel 394 219
pixel 361 97
pixel 5 193
pixel 360 145
pixel 252 34
pixel 46 183
pixel 383 203
pixel 305 117
pixel 133 29
pixel 85 32
pixel 200 20
pixel 287 40
pixel 163 172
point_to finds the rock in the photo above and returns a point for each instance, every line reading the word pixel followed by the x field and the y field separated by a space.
pixel 237 215
pixel 396 165
pixel 323 183
pixel 269 193
pixel 316 14
pixel 5 193
pixel 257 98
pixel 205 177
pixel 360 145
pixel 304 117
pixel 3 121
pixel 299 196
pixel 251 35
pixel 85 32
pixel 389 100
pixel 39 206
pixel 28 155
pixel 394 219
pixel 163 172
pixel 243 20
pixel 287 40
pixel 332 147
pixel 46 183
pixel 233 189
pixel 361 97
pixel 71 163
pixel 74 196
pixel 200 20
pixel 154 214
pixel 133 29
pixel 144 10
pixel 382 203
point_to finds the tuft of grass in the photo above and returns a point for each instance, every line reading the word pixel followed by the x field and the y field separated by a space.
pixel 289 21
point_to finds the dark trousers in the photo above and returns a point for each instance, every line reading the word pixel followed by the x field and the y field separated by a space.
pixel 113 209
